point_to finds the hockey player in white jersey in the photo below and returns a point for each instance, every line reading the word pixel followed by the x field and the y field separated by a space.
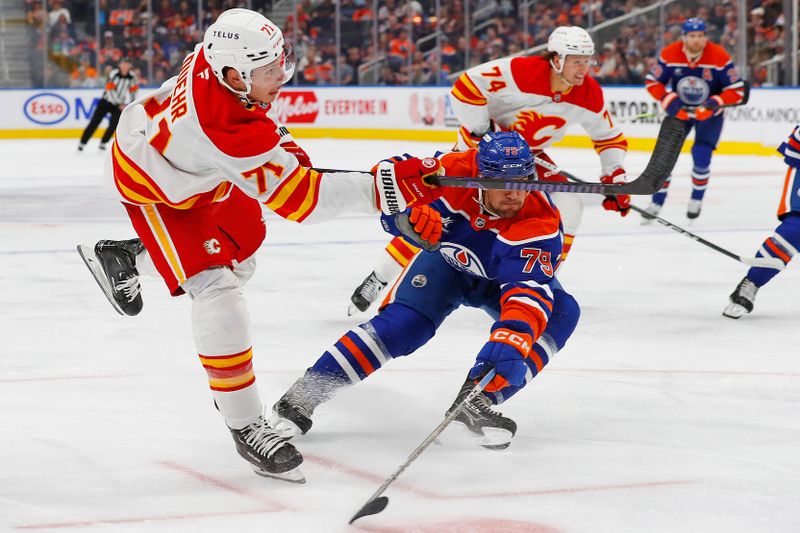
pixel 539 97
pixel 192 164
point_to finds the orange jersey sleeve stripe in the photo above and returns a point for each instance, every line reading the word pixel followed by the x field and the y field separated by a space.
pixel 358 354
pixel 524 313
pixel 297 195
pixel 519 291
pixel 656 89
pixel 464 90
pixel 732 96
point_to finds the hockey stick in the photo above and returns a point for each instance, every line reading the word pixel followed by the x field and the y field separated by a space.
pixel 378 503
pixel 665 155
pixel 762 262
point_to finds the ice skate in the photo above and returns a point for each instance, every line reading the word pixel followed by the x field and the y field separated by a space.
pixel 291 418
pixel 741 300
pixel 492 429
pixel 693 209
pixel 268 453
pixel 650 211
pixel 113 265
pixel 365 294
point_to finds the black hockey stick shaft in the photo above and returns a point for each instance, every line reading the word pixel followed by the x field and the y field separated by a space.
pixel 765 262
pixel 378 503
pixel 665 155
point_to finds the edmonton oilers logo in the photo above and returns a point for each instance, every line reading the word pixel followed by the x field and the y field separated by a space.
pixel 462 258
pixel 419 281
pixel 693 90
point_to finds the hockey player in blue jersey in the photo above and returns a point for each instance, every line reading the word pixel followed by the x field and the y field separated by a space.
pixel 784 243
pixel 495 249
pixel 693 79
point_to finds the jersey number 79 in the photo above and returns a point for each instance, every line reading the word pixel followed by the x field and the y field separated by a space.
pixel 536 255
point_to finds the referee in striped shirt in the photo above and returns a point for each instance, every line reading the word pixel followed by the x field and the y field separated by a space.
pixel 120 91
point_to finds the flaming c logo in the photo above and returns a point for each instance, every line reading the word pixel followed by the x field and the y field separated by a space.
pixel 535 128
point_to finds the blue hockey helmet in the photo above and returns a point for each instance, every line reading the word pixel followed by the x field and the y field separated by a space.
pixel 694 24
pixel 505 154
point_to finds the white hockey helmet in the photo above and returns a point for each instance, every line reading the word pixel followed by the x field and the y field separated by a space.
pixel 245 40
pixel 569 41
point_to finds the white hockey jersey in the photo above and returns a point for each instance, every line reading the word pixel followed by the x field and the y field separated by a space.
pixel 515 94
pixel 190 142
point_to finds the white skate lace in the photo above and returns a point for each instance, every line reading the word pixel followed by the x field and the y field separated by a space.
pixel 747 289
pixel 129 287
pixel 371 287
pixel 262 438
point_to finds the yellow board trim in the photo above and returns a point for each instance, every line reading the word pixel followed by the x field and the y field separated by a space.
pixel 443 136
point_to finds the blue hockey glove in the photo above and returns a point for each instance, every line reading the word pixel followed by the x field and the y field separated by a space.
pixel 674 106
pixel 505 351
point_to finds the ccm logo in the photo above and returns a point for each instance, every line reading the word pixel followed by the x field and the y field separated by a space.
pixel 520 342
pixel 46 108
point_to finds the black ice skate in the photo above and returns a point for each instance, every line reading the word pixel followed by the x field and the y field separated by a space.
pixel 742 299
pixel 494 431
pixel 268 453
pixel 113 265
pixel 291 415
pixel 366 293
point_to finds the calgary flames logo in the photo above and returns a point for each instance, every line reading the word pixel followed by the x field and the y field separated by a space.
pixel 535 128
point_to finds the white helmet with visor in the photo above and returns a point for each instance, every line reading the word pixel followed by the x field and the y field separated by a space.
pixel 246 40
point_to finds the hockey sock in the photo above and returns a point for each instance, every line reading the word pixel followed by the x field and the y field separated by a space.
pixel 783 245
pixel 145 265
pixel 398 253
pixel 661 196
pixel 699 182
pixel 220 323
pixel 395 331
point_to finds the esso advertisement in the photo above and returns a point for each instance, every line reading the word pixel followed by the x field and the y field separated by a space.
pixel 297 107
pixel 46 108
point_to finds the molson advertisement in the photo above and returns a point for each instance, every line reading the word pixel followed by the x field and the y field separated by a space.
pixel 414 113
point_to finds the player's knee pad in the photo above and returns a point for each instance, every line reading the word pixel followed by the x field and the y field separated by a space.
pixel 563 319
pixel 571 208
pixel 701 154
pixel 789 229
pixel 220 321
pixel 401 329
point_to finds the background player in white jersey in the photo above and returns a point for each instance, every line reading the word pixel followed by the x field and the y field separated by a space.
pixel 784 242
pixel 192 163
pixel 539 97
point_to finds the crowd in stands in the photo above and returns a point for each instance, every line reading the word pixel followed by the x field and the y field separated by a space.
pixel 72 45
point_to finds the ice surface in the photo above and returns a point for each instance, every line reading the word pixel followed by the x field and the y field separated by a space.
pixel 659 415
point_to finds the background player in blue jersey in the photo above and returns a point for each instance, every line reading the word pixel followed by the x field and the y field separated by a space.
pixel 695 74
pixel 784 243
pixel 496 250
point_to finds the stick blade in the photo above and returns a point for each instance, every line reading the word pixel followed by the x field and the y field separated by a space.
pixel 371 507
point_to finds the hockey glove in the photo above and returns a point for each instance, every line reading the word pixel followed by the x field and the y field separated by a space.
pixel 708 109
pixel 674 106
pixel 422 226
pixel 301 155
pixel 619 202
pixel 401 184
pixel 505 352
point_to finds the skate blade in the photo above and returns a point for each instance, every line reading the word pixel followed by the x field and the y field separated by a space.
pixel 283 426
pixel 490 438
pixel 734 311
pixel 90 260
pixel 352 310
pixel 292 476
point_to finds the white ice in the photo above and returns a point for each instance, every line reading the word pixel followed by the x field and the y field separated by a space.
pixel 659 415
